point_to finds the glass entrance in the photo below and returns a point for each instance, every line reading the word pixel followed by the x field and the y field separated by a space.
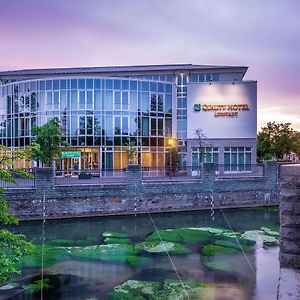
pixel 72 166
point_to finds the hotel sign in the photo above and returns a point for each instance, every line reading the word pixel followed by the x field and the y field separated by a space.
pixel 70 154
pixel 222 110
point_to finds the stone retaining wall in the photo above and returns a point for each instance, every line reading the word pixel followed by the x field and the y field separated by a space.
pixel 90 200
pixel 290 216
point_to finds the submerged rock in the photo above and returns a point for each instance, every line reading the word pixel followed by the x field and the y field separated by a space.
pixel 74 243
pixel 212 250
pixel 259 235
pixel 269 231
pixel 110 252
pixel 169 290
pixel 162 247
pixel 112 240
pixel 233 244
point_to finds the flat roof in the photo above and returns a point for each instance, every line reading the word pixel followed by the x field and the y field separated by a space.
pixel 116 69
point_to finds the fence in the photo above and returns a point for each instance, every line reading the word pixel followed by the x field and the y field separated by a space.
pixel 95 176
pixel 20 181
pixel 171 174
pixel 239 170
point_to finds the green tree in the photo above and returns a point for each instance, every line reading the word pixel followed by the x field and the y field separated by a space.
pixel 12 246
pixel 175 158
pixel 49 138
pixel 275 140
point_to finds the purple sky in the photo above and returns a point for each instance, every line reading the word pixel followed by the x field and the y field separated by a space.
pixel 264 35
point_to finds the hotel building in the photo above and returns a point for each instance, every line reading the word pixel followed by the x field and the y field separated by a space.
pixel 103 109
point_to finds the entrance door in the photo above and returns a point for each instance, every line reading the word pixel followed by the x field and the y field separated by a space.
pixel 72 166
pixel 75 166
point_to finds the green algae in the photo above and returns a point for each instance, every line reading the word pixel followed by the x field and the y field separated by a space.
pixel 168 290
pixel 111 240
pixel 139 260
pixel 259 235
pixel 160 247
pixel 134 290
pixel 269 231
pixel 189 235
pixel 232 244
pixel 220 266
pixel 114 234
pixel 212 250
pixel 38 285
pixel 51 256
pixel 170 235
pixel 110 252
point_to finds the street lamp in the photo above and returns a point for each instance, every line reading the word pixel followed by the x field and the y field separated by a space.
pixel 170 143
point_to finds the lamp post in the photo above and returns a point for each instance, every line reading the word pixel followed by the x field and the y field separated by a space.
pixel 170 143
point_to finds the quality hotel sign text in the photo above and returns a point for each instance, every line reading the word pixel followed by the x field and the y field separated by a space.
pixel 222 110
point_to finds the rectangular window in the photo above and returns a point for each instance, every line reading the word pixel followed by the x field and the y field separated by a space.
pixel 74 100
pixel 56 100
pixel 108 100
pixel 124 100
pixel 125 125
pixel 153 102
pixel 133 101
pixel 89 100
pixel 160 102
pixel 81 99
pixel 82 125
pixel 89 125
pixel 97 100
pixel 117 126
pixel 145 102
pixel 237 159
pixel 145 126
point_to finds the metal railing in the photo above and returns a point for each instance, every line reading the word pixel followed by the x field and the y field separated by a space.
pixel 171 174
pixel 91 177
pixel 239 170
pixel 20 181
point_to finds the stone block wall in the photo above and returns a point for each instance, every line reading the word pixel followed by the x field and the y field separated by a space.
pixel 290 216
pixel 134 195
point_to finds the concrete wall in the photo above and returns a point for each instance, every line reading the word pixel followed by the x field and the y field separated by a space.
pixel 290 216
pixel 88 200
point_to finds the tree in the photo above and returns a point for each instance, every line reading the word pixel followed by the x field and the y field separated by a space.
pixel 131 152
pixel 49 137
pixel 275 140
pixel 12 246
pixel 202 142
pixel 175 158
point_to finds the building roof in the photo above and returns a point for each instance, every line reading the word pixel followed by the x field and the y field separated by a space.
pixel 113 69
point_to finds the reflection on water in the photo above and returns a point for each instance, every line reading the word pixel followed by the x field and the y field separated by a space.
pixel 91 279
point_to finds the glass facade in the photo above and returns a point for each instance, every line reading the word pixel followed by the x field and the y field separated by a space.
pixel 99 116
pixel 237 159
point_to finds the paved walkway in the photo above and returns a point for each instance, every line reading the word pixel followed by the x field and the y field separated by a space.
pixel 289 284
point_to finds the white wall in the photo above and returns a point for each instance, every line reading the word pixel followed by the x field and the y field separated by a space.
pixel 244 125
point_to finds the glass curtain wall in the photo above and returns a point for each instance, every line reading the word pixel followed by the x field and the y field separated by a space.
pixel 99 116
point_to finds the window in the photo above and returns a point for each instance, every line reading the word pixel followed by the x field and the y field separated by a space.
pixel 237 159
pixel 205 154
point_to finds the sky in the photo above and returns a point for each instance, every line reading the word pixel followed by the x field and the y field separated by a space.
pixel 263 35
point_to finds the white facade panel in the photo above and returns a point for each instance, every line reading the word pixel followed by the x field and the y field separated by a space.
pixel 222 110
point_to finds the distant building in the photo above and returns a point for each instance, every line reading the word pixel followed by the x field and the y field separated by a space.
pixel 102 109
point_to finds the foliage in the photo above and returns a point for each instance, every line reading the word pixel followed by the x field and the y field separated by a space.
pixel 38 286
pixel 12 246
pixel 49 137
pixel 276 140
pixel 170 289
pixel 212 250
pixel 174 157
pixel 131 152
pixel 161 247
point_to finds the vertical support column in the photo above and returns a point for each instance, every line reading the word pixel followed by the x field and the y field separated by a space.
pixel 208 176
pixel 290 216
pixel 133 177
pixel 271 174
pixel 44 184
